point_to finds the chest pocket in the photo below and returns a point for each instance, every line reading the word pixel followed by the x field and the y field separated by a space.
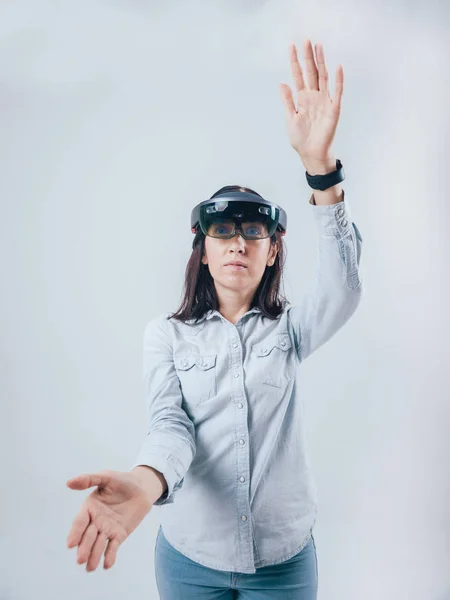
pixel 274 359
pixel 197 375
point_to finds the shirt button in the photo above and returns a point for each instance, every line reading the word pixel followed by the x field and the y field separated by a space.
pixel 235 345
pixel 242 479
pixel 184 363
pixel 242 442
pixel 244 518
pixel 236 374
pixel 283 343
pixel 341 212
pixel 240 405
pixel 344 223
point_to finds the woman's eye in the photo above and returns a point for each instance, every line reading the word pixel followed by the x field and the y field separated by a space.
pixel 255 229
pixel 220 229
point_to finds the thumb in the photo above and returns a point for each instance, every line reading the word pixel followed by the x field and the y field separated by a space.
pixel 288 100
pixel 87 480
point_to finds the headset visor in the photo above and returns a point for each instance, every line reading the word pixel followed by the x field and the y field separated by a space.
pixel 220 219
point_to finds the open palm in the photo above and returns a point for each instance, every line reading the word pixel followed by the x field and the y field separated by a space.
pixel 107 516
pixel 312 125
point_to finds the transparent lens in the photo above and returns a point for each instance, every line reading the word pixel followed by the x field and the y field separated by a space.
pixel 252 230
pixel 255 222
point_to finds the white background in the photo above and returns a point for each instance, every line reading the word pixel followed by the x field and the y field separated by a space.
pixel 116 118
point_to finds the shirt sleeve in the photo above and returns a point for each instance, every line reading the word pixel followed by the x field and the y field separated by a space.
pixel 169 446
pixel 337 287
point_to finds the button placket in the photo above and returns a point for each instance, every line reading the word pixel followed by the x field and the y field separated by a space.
pixel 242 462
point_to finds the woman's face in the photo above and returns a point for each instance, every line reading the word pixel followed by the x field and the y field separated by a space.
pixel 255 254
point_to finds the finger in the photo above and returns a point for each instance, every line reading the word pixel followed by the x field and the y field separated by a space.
pixel 297 74
pixel 311 68
pixel 288 100
pixel 84 549
pixel 111 553
pixel 79 525
pixel 339 87
pixel 323 71
pixel 87 480
pixel 97 551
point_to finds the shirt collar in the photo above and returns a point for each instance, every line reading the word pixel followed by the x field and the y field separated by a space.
pixel 212 313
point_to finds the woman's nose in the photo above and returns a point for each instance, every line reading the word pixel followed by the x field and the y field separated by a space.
pixel 238 238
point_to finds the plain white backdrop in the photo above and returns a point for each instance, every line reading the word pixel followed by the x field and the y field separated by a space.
pixel 116 118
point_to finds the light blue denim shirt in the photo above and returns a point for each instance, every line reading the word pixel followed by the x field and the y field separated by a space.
pixel 226 415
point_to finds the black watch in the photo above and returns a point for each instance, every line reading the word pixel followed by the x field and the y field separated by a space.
pixel 323 182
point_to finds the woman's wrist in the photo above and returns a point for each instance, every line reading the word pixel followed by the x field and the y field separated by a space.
pixel 152 480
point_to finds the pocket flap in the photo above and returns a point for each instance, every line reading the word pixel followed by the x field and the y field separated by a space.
pixel 185 361
pixel 202 361
pixel 206 361
pixel 278 340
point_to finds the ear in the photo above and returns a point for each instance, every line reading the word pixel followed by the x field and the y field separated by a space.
pixel 272 254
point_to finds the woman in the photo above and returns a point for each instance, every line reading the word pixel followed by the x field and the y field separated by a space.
pixel 225 452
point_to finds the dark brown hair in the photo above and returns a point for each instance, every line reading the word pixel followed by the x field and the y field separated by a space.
pixel 199 295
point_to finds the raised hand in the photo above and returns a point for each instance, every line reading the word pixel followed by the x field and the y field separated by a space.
pixel 312 125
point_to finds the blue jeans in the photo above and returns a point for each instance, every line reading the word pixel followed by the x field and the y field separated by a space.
pixel 180 578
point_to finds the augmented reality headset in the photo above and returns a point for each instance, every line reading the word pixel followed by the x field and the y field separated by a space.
pixel 255 217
